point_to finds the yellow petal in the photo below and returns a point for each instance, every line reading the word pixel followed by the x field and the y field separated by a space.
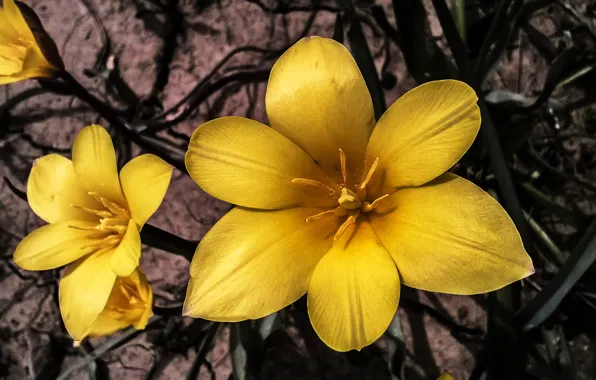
pixel 125 258
pixel 55 245
pixel 17 21
pixel 54 192
pixel 84 291
pixel 317 98
pixel 244 162
pixel 446 376
pixel 253 263
pixel 354 291
pixel 423 134
pixel 20 55
pixel 145 180
pixel 449 236
pixel 94 162
pixel 145 294
pixel 121 310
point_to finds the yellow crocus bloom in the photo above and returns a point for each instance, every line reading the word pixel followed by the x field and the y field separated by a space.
pixel 94 216
pixel 332 205
pixel 21 56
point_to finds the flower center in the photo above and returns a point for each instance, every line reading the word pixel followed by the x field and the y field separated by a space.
pixel 111 223
pixel 12 58
pixel 351 202
pixel 125 300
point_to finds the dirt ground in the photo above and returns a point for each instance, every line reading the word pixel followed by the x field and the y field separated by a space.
pixel 30 326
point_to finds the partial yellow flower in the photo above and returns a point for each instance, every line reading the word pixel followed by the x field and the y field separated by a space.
pixel 94 216
pixel 21 55
pixel 90 291
pixel 331 204
pixel 446 376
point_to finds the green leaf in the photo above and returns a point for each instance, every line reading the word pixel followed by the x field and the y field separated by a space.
pixel 506 359
pixel 458 10
pixel 247 346
pixel 557 351
pixel 124 336
pixel 366 63
pixel 424 59
pixel 268 325
pixel 203 349
pixel 396 350
pixel 160 239
pixel 565 214
pixel 551 296
pixel 338 29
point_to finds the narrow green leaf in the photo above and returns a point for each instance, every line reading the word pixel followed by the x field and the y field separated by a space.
pixel 268 325
pixel 238 353
pixel 551 296
pixel 160 239
pixel 458 10
pixel 396 350
pixel 366 63
pixel 565 214
pixel 425 60
pixel 506 359
pixel 558 352
pixel 338 29
pixel 202 350
pixel 246 350
pixel 120 338
pixel 493 31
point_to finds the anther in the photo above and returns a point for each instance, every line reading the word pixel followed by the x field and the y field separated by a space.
pixel 338 211
pixel 371 206
pixel 347 223
pixel 113 207
pixel 313 183
pixel 369 175
pixel 344 170
pixel 100 213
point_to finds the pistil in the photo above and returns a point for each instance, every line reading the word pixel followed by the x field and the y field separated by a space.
pixel 351 202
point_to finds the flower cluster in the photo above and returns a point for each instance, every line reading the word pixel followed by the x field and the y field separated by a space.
pixel 94 217
pixel 329 203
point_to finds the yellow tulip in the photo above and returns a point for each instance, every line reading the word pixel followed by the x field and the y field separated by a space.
pixel 332 205
pixel 94 216
pixel 21 56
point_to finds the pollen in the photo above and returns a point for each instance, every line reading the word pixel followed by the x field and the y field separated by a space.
pixel 352 202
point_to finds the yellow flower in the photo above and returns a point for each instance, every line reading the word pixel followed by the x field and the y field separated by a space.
pixel 446 376
pixel 21 56
pixel 330 204
pixel 94 219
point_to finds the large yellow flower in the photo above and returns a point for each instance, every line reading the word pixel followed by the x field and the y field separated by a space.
pixel 21 56
pixel 94 219
pixel 330 204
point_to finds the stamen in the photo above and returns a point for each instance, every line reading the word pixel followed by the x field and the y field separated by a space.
pixel 371 206
pixel 113 207
pixel 106 242
pixel 100 213
pixel 120 230
pixel 349 221
pixel 313 183
pixel 338 211
pixel 369 175
pixel 344 170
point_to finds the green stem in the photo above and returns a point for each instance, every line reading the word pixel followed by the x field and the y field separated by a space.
pixel 164 240
pixel 172 154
